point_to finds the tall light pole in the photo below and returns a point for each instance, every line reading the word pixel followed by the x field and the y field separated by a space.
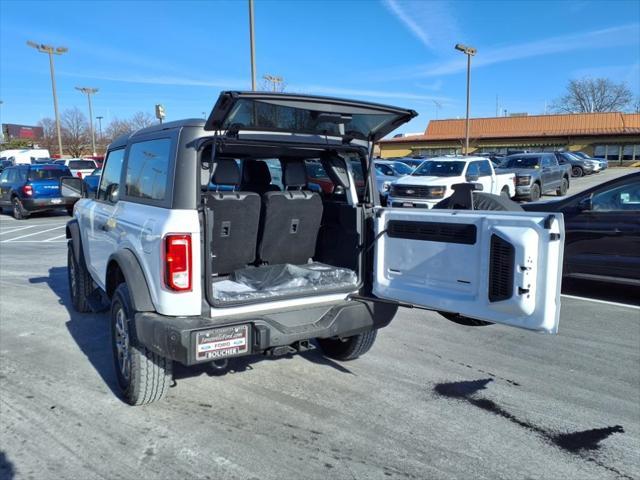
pixel 469 52
pixel 253 53
pixel 42 48
pixel 99 118
pixel 88 91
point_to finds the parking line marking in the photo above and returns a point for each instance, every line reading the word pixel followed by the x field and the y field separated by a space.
pixel 17 229
pixel 53 238
pixel 32 234
pixel 606 302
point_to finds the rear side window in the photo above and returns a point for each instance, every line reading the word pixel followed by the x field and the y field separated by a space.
pixel 48 173
pixel 110 173
pixel 148 168
pixel 485 169
pixel 82 164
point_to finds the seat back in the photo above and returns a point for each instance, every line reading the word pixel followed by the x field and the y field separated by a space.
pixel 235 220
pixel 290 219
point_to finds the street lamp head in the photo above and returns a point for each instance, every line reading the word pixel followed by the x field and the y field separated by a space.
pixel 61 50
pixel 33 44
pixel 466 49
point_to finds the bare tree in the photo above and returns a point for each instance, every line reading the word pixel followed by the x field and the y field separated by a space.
pixel 49 138
pixel 117 128
pixel 272 83
pixel 75 132
pixel 590 95
pixel 141 120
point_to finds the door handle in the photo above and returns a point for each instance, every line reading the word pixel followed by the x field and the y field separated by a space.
pixel 104 227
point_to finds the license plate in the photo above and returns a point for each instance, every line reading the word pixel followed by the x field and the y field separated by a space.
pixel 56 200
pixel 407 204
pixel 222 342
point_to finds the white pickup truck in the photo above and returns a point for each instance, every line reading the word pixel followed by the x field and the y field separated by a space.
pixel 433 181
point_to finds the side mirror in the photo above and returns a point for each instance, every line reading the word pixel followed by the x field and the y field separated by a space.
pixel 72 187
pixel 471 177
pixel 112 192
pixel 585 204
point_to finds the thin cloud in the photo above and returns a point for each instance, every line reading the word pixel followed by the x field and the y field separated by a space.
pixel 161 80
pixel 380 94
pixel 431 22
pixel 623 35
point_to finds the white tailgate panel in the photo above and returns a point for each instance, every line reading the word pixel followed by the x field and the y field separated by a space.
pixel 454 277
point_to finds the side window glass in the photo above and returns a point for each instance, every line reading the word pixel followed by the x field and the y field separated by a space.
pixel 148 168
pixel 553 161
pixel 545 162
pixel 110 173
pixel 4 176
pixel 275 169
pixel 13 176
pixel 485 169
pixel 625 198
pixel 473 169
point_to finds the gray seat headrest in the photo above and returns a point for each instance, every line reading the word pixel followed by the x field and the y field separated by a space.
pixel 225 172
pixel 294 173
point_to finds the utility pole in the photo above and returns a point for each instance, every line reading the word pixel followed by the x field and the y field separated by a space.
pixel 469 52
pixel 438 106
pixel 48 49
pixel 253 52
pixel 274 80
pixel 99 118
pixel 88 91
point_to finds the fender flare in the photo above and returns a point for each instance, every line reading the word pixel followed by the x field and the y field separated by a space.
pixel 73 233
pixel 135 279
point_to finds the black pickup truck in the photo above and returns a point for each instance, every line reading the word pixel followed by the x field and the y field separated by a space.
pixel 537 173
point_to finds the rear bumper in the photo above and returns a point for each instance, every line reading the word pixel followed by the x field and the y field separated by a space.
pixel 175 337
pixel 32 204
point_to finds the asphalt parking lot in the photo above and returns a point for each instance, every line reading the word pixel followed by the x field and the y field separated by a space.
pixel 432 400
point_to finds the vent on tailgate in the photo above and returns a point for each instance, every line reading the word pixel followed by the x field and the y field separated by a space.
pixel 432 231
pixel 501 262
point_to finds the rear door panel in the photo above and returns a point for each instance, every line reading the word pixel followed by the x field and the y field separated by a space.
pixel 501 267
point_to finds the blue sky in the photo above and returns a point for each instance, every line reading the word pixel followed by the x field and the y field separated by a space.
pixel 181 54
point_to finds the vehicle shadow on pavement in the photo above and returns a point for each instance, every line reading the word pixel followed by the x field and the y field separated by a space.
pixel 7 470
pixel 89 330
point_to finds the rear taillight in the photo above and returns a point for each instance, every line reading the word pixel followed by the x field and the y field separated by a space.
pixel 79 174
pixel 177 260
pixel 27 190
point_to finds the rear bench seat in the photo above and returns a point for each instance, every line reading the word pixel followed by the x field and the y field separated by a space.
pixel 290 219
pixel 236 217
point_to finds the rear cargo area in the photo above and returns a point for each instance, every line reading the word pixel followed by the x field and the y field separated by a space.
pixel 269 240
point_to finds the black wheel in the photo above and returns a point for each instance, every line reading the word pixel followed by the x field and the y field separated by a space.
pixel 80 282
pixel 143 376
pixel 577 171
pixel 348 348
pixel 19 213
pixel 505 192
pixel 534 193
pixel 564 186
pixel 462 320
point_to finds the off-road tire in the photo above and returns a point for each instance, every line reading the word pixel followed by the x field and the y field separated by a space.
pixel 577 172
pixel 80 282
pixel 462 320
pixel 534 193
pixel 562 189
pixel 149 374
pixel 18 210
pixel 348 348
pixel 505 192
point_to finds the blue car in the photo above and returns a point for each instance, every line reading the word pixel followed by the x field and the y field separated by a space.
pixel 92 181
pixel 33 188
